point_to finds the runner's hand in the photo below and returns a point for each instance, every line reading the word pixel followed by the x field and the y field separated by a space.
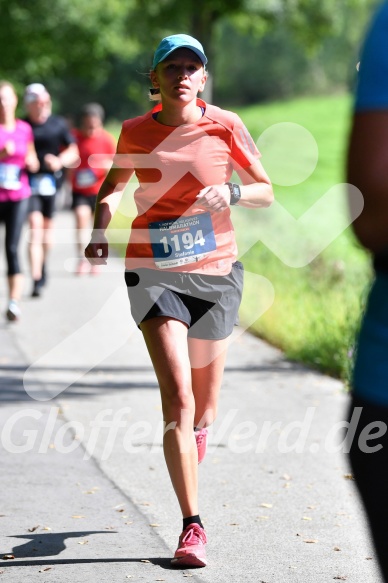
pixel 53 163
pixel 8 148
pixel 97 251
pixel 214 198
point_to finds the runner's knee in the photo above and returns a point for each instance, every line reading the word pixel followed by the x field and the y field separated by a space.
pixel 178 406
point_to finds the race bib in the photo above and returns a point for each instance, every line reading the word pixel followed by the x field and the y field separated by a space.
pixel 10 176
pixel 85 178
pixel 177 242
pixel 43 184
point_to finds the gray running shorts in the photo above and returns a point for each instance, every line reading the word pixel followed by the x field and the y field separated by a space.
pixel 207 304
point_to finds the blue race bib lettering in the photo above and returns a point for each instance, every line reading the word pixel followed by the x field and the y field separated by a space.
pixel 177 242
pixel 43 184
pixel 85 178
pixel 10 177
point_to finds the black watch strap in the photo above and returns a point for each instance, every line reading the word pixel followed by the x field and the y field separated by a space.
pixel 235 192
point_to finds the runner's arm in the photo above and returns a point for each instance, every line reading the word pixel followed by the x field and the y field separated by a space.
pixel 8 149
pixel 66 159
pixel 256 191
pixel 108 199
pixel 367 169
pixel 256 188
pixel 32 162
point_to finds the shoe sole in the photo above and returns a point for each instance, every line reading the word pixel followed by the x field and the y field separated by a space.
pixel 188 561
pixel 37 290
pixel 11 317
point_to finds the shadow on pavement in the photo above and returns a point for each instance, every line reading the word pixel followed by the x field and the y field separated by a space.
pixel 47 544
pixel 163 562
pixel 53 543
pixel 100 379
pixel 93 381
pixel 12 387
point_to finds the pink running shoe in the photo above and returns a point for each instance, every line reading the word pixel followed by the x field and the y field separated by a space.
pixel 201 439
pixel 95 269
pixel 83 267
pixel 191 548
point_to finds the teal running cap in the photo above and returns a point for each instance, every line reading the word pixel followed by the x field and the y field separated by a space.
pixel 178 41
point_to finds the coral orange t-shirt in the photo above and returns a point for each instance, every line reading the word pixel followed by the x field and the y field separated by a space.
pixel 90 174
pixel 172 164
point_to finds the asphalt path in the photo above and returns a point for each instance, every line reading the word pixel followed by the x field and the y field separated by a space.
pixel 84 492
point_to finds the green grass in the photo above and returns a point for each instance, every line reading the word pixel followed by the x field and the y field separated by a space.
pixel 316 309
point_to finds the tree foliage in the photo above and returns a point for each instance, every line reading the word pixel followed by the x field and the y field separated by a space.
pixel 101 49
pixel 41 38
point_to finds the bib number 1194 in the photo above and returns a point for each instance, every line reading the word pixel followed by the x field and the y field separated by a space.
pixel 187 241
pixel 180 241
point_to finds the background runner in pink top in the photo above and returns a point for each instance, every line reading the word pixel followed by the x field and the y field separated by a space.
pixel 13 176
pixel 17 154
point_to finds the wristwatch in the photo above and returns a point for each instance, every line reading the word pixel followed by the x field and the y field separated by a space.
pixel 235 192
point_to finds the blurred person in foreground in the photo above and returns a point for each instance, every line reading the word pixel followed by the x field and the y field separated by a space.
pixel 368 171
pixel 92 140
pixel 184 282
pixel 17 155
pixel 56 149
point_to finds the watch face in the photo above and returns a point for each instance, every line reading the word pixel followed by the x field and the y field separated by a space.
pixel 235 193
